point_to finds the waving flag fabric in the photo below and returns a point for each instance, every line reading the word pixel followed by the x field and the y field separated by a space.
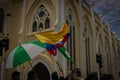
pixel 52 49
pixel 53 37
pixel 24 52
pixel 56 40
pixel 61 43
pixel 65 53
pixel 43 39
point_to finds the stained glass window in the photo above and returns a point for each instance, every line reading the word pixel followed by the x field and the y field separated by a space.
pixel 41 19
pixel 41 26
pixel 47 23
pixel 34 26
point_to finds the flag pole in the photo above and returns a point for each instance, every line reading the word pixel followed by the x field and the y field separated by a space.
pixel 21 32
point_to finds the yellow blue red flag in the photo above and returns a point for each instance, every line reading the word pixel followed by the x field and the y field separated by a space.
pixel 53 37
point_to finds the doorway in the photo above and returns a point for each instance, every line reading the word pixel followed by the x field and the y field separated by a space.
pixel 42 71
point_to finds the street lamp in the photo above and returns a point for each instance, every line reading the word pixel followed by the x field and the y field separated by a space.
pixel 97 37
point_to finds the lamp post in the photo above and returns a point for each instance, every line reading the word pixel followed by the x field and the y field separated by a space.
pixel 97 37
pixel 4 45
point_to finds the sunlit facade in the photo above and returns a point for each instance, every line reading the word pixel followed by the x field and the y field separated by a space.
pixel 49 15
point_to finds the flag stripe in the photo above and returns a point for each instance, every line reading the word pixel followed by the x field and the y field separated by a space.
pixel 33 49
pixel 53 37
pixel 43 39
pixel 65 53
pixel 20 56
pixel 43 45
pixel 10 59
pixel 61 43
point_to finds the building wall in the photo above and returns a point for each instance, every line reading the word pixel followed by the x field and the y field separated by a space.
pixel 82 14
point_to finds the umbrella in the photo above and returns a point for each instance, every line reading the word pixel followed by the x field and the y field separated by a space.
pixel 24 52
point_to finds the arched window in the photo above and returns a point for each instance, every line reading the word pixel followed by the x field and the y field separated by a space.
pixel 71 41
pixel 34 26
pixel 42 18
pixel 41 26
pixel 1 19
pixel 47 23
pixel 87 51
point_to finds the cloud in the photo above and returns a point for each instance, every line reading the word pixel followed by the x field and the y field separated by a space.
pixel 110 9
pixel 115 27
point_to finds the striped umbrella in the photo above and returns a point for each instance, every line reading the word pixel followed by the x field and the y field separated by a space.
pixel 24 52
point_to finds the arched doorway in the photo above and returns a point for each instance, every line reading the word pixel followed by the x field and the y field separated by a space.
pixel 41 71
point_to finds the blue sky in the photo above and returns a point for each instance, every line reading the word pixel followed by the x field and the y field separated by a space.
pixel 110 9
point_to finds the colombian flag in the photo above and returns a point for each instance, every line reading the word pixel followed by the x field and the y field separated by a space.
pixel 53 37
pixel 56 40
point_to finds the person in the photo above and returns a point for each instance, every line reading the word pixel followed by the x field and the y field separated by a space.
pixel 16 75
pixel 110 77
pixel 32 76
pixel 54 75
pixel 107 77
pixel 75 75
pixel 78 74
pixel 92 76
pixel 71 76
pixel 61 71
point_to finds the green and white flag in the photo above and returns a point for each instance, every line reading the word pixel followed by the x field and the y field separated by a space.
pixel 24 52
